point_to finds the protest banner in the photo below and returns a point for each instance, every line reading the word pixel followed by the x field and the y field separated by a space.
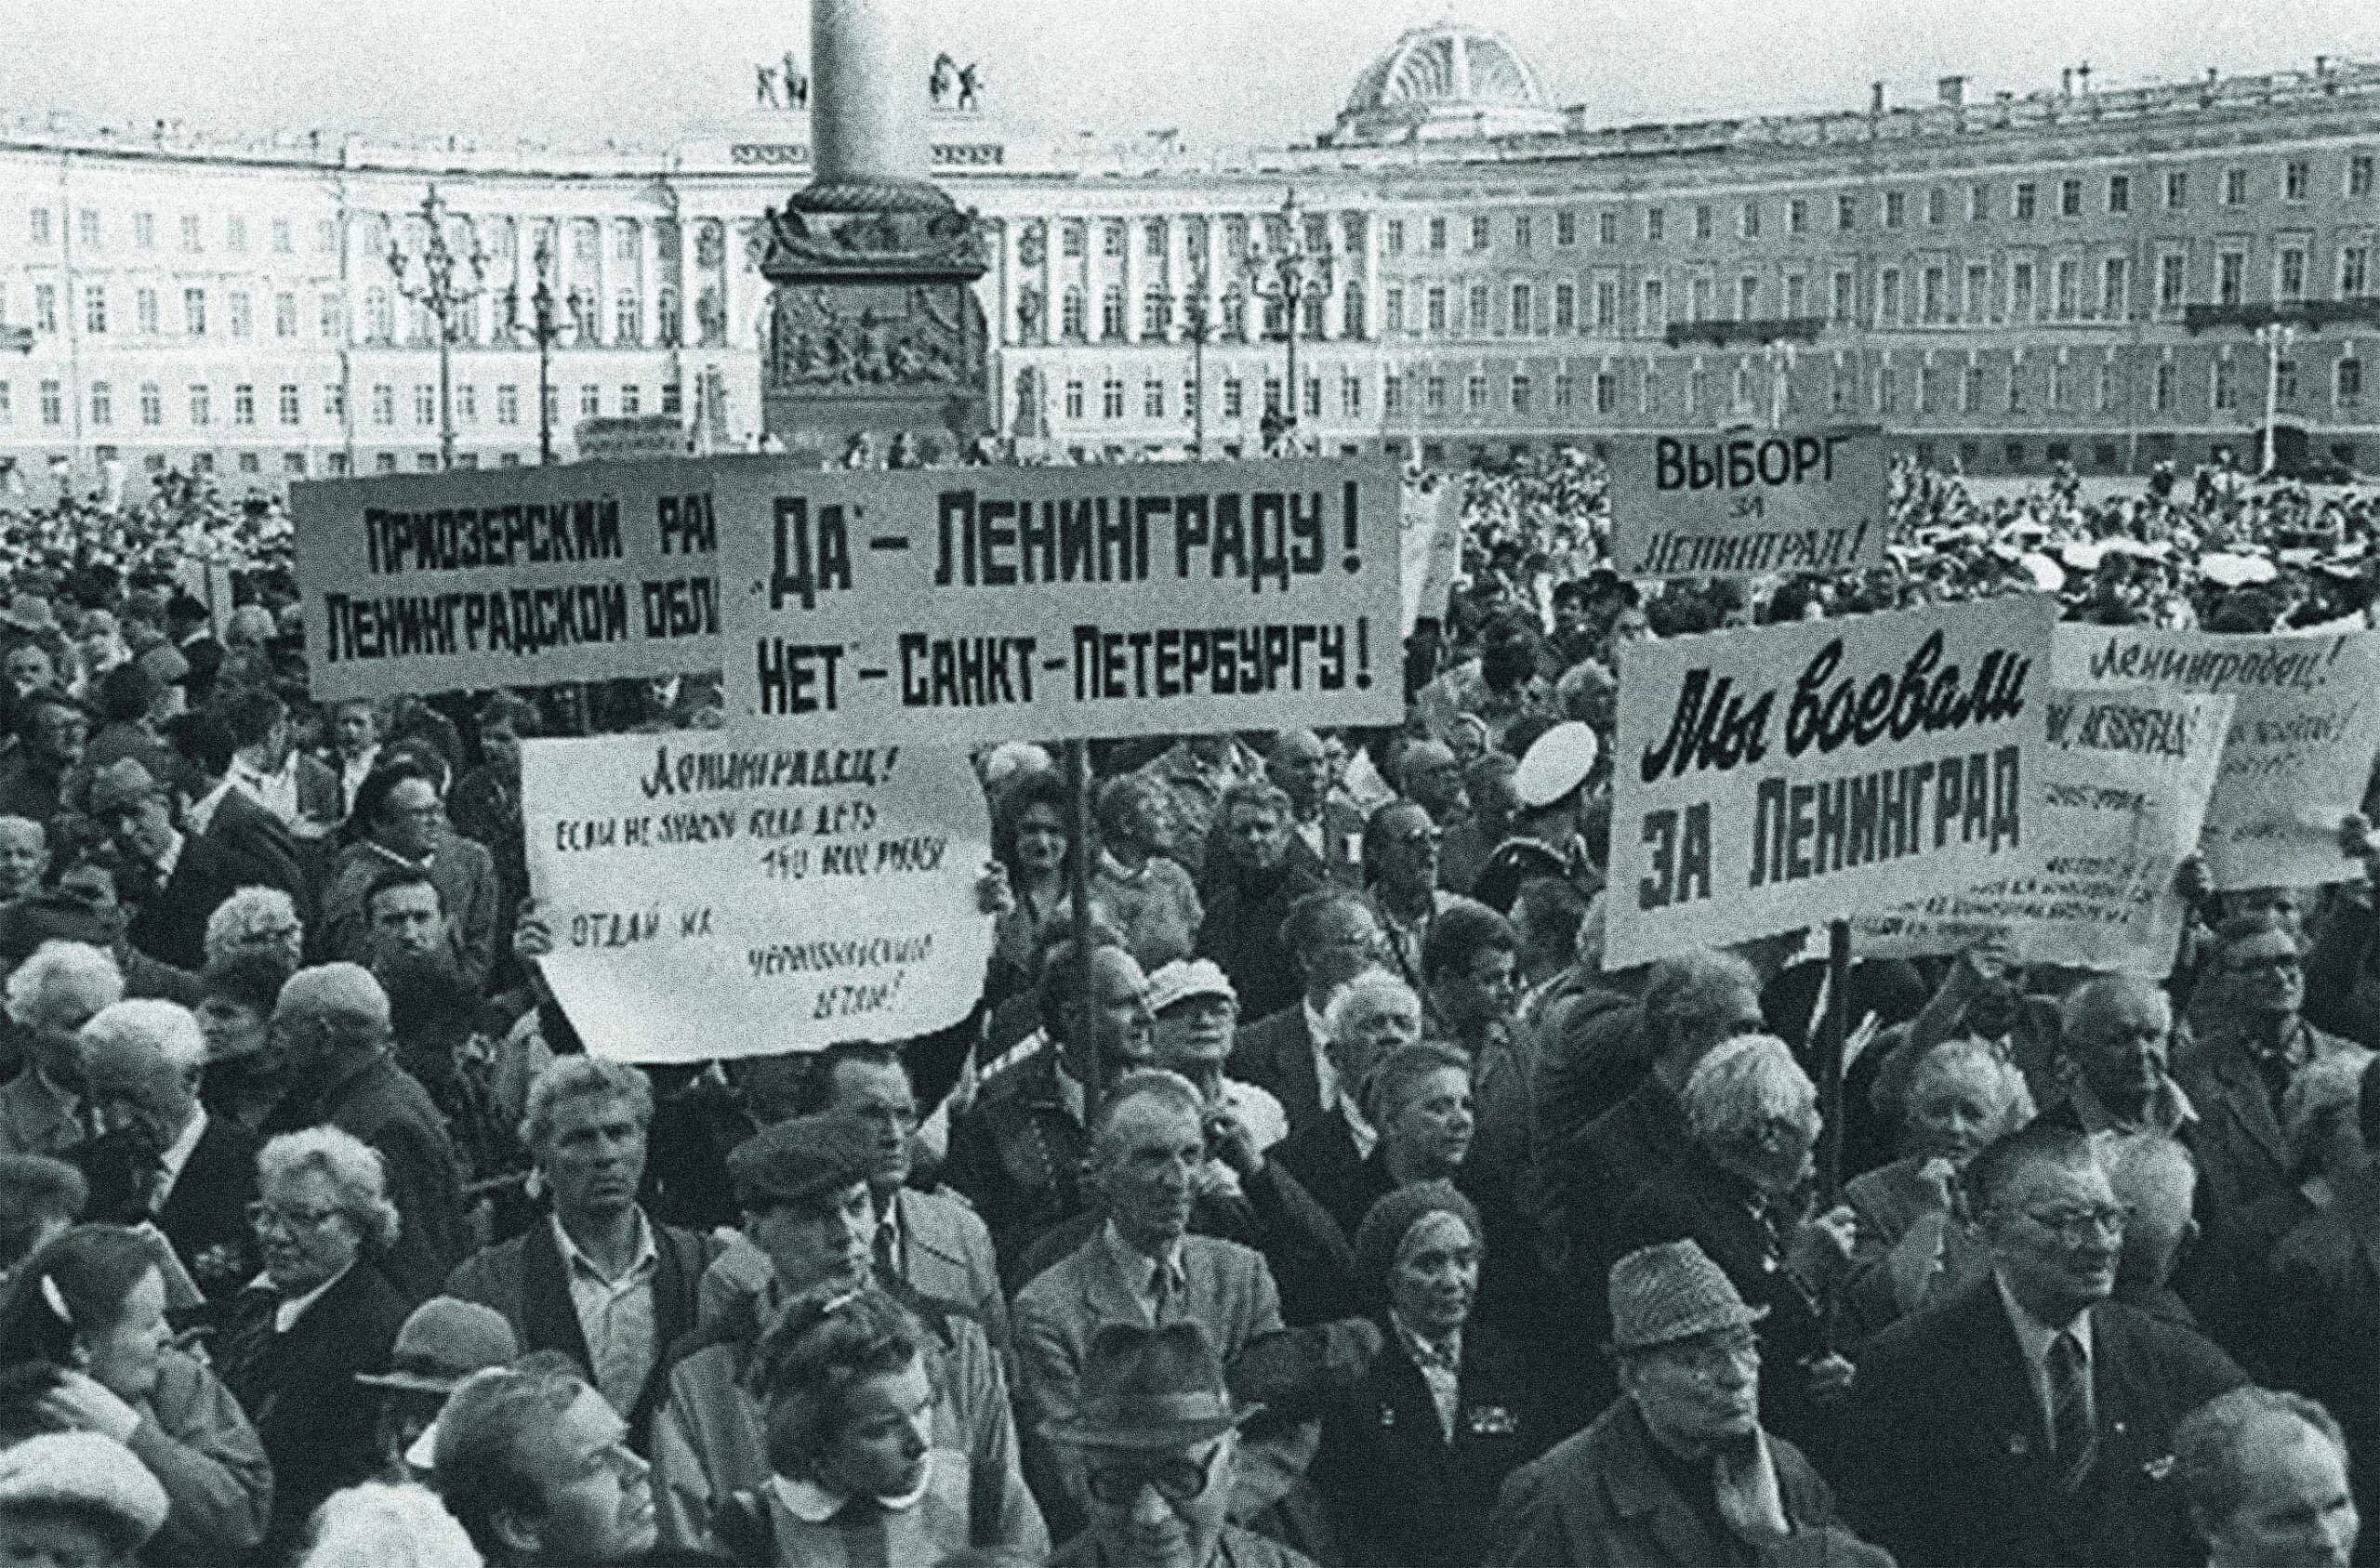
pixel 712 895
pixel 2302 740
pixel 1717 505
pixel 1768 779
pixel 2116 804
pixel 1432 548
pixel 970 604
pixel 485 577
pixel 629 438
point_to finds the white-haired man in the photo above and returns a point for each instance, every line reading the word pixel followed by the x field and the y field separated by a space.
pixel 163 1158
pixel 332 1022
pixel 600 1280
pixel 1367 1018
pixel 51 995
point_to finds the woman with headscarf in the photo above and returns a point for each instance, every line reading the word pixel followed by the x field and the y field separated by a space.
pixel 1414 1453
pixel 83 1336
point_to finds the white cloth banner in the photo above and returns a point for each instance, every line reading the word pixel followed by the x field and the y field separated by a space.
pixel 2117 804
pixel 1770 778
pixel 711 895
pixel 2303 736
pixel 1431 537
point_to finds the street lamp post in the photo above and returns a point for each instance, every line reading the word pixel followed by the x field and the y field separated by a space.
pixel 2276 336
pixel 443 294
pixel 548 331
pixel 1197 325
pixel 1285 277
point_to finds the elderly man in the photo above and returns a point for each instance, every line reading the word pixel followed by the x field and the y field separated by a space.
pixel 1370 1016
pixel 51 995
pixel 2239 1069
pixel 406 827
pixel 163 1159
pixel 175 879
pixel 2264 1476
pixel 1679 1472
pixel 1401 873
pixel 1331 830
pixel 24 855
pixel 536 1467
pixel 1252 878
pixel 599 1281
pixel 1143 1265
pixel 332 1025
pixel 1156 1437
pixel 43 773
pixel 2115 1036
pixel 1334 936
pixel 803 1187
pixel 2156 1180
pixel 2021 1420
pixel 1017 1153
pixel 216 808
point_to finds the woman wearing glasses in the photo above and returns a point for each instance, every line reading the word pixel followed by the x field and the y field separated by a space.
pixel 321 1314
pixel 83 1335
pixel 871 1464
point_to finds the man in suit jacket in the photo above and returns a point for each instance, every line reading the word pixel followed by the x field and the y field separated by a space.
pixel 1333 935
pixel 164 1158
pixel 334 1019
pixel 219 811
pixel 408 829
pixel 2021 1423
pixel 1143 1267
pixel 597 1279
pixel 1330 829
pixel 186 874
pixel 51 995
pixel 1258 871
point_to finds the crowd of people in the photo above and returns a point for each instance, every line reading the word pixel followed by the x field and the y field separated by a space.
pixel 1315 1196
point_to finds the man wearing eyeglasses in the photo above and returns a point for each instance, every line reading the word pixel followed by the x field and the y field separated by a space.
pixel 176 879
pixel 2029 1418
pixel 1158 1436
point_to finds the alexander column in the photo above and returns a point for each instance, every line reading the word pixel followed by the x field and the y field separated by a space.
pixel 875 346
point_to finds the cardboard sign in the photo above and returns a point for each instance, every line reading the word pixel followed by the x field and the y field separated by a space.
pixel 2303 736
pixel 1735 506
pixel 964 605
pixel 1432 541
pixel 714 896
pixel 1771 778
pixel 2117 804
pixel 491 577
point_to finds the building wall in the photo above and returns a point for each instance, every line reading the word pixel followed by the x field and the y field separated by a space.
pixel 2003 283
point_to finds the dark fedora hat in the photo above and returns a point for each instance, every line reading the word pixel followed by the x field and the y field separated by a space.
pixel 1150 1388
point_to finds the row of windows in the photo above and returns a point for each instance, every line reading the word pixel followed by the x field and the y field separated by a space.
pixel 238 316
pixel 92 231
pixel 147 404
pixel 2021 201
pixel 2020 387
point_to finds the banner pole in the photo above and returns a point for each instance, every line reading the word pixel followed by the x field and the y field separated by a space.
pixel 1078 784
pixel 1832 1027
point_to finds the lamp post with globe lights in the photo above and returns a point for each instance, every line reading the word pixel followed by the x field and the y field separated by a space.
pixel 1284 277
pixel 435 279
pixel 546 328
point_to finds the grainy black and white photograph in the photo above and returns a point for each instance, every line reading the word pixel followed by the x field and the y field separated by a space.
pixel 873 783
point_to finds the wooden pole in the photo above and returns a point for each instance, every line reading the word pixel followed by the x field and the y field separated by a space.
pixel 1078 782
pixel 1832 1028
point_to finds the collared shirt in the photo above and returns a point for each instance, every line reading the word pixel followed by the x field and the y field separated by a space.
pixel 170 859
pixel 201 812
pixel 1360 1131
pixel 1310 830
pixel 2034 1339
pixel 177 1155
pixel 285 1314
pixel 1440 1363
pixel 813 1503
pixel 2169 1110
pixel 1407 938
pixel 615 1314
pixel 352 772
pixel 276 792
pixel 1326 1073
pixel 1141 1271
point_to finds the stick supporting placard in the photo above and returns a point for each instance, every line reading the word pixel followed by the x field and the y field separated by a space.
pixel 1078 864
pixel 1832 1027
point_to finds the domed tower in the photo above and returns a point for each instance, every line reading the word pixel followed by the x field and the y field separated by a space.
pixel 1445 81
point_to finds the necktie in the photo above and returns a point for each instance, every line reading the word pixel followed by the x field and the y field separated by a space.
pixel 1161 1293
pixel 888 1255
pixel 2073 1438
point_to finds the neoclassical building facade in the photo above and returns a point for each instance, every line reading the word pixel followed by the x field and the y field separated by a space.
pixel 2103 277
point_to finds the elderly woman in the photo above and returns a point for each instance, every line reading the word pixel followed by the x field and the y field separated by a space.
pixel 2264 1476
pixel 1418 1100
pixel 1413 1454
pixel 84 1330
pixel 75 1498
pixel 1366 1020
pixel 379 1525
pixel 1033 838
pixel 1914 1245
pixel 871 1461
pixel 1743 1196
pixel 256 920
pixel 51 995
pixel 321 1314
pixel 1135 881
pixel 235 1001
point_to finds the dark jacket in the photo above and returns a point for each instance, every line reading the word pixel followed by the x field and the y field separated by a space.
pixel 170 923
pixel 527 1281
pixel 2325 1300
pixel 1602 1498
pixel 299 1389
pixel 2237 1141
pixel 1275 1053
pixel 207 1213
pixel 383 1104
pixel 1401 1493
pixel 1587 1183
pixel 1324 1160
pixel 1018 1153
pixel 1245 910
pixel 244 828
pixel 1946 1459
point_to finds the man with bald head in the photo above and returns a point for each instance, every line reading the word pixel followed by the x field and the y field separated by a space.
pixel 2114 1040
pixel 1144 1265
pixel 332 1025
pixel 173 880
pixel 1332 831
pixel 163 1158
